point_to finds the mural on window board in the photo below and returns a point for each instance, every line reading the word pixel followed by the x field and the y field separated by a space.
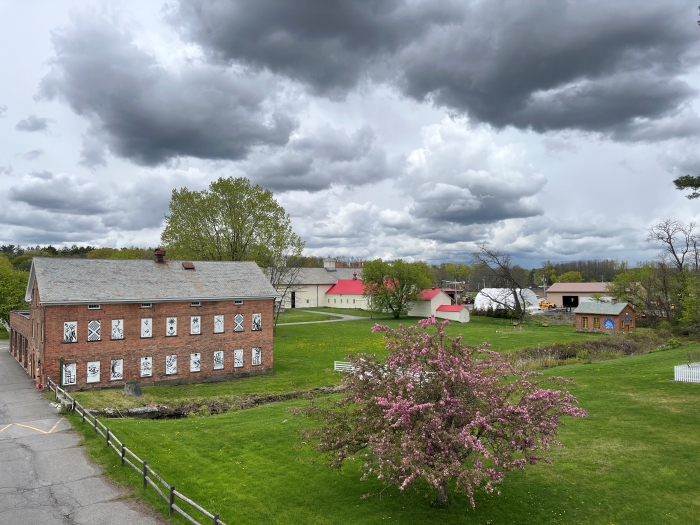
pixel 609 324
pixel 237 358
pixel 94 331
pixel 70 332
pixel 257 356
pixel 117 329
pixel 171 364
pixel 171 326
pixel 146 366
pixel 146 328
pixel 238 323
pixel 218 324
pixel 257 321
pixel 195 362
pixel 93 372
pixel 116 370
pixel 218 360
pixel 69 374
pixel 195 324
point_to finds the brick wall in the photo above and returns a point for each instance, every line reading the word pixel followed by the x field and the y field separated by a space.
pixel 133 347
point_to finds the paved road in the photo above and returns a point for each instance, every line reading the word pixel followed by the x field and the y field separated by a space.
pixel 45 478
pixel 343 317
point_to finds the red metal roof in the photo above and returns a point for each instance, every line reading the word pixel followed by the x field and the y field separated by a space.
pixel 347 286
pixel 578 288
pixel 429 294
pixel 450 307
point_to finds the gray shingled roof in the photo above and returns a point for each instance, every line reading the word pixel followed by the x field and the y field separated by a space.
pixel 598 307
pixel 63 281
pixel 323 276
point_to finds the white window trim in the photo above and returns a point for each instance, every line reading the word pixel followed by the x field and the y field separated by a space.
pixel 93 307
pixel 146 305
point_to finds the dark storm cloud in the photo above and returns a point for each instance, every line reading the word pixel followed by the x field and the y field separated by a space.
pixel 327 45
pixel 150 115
pixel 542 65
pixel 59 194
pixel 327 157
pixel 33 123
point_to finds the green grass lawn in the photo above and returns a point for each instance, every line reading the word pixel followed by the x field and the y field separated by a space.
pixel 3 333
pixel 304 357
pixel 302 316
pixel 633 460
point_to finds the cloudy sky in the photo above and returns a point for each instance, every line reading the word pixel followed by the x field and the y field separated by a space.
pixel 387 128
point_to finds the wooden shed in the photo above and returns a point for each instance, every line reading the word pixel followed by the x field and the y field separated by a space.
pixel 597 316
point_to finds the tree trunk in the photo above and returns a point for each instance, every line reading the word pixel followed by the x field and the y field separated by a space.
pixel 442 493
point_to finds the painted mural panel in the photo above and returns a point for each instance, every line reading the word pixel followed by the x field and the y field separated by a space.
pixel 70 332
pixel 238 323
pixel 218 324
pixel 117 328
pixel 195 325
pixel 116 370
pixel 171 364
pixel 69 376
pixel 237 358
pixel 93 372
pixel 195 362
pixel 146 366
pixel 218 360
pixel 171 327
pixel 257 356
pixel 257 321
pixel 94 331
pixel 147 327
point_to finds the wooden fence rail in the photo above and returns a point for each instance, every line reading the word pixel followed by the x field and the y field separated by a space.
pixel 150 477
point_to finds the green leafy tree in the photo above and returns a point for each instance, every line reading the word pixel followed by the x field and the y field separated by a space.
pixel 231 221
pixel 13 285
pixel 688 182
pixel 690 304
pixel 570 277
pixel 392 285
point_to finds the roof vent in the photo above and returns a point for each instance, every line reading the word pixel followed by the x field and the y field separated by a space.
pixel 160 255
pixel 188 265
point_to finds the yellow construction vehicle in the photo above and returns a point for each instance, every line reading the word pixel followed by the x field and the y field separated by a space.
pixel 544 304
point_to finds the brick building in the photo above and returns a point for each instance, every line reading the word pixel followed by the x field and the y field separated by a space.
pixel 596 316
pixel 99 323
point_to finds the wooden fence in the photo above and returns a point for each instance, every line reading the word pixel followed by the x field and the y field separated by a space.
pixel 150 477
pixel 343 366
pixel 687 373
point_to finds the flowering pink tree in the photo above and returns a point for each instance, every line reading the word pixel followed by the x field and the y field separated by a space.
pixel 440 411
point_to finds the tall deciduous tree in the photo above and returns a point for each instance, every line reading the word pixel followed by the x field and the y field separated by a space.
pixel 391 286
pixel 439 411
pixel 570 277
pixel 233 221
pixel 13 285
pixel 503 273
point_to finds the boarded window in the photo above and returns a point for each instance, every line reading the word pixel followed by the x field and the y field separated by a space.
pixel 195 325
pixel 146 327
pixel 116 370
pixel 171 364
pixel 195 362
pixel 218 360
pixel 257 356
pixel 238 323
pixel 70 332
pixel 93 372
pixel 146 366
pixel 94 331
pixel 218 324
pixel 69 376
pixel 257 321
pixel 238 358
pixel 117 328
pixel 171 327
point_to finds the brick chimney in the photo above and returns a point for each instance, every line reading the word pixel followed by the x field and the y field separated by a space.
pixel 160 255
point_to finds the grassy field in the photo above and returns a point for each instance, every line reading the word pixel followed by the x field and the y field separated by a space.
pixel 302 316
pixel 304 356
pixel 3 333
pixel 633 460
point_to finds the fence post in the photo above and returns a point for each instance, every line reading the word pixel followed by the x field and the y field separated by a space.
pixel 172 499
pixel 83 414
pixel 107 436
pixel 216 519
pixel 145 474
pixel 122 454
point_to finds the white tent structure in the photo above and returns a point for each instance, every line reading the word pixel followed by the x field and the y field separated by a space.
pixel 499 297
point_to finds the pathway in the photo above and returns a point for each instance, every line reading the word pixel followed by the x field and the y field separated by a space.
pixel 45 478
pixel 343 317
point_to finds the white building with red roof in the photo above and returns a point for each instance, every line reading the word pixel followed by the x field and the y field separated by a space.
pixel 429 303
pixel 453 312
pixel 347 293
